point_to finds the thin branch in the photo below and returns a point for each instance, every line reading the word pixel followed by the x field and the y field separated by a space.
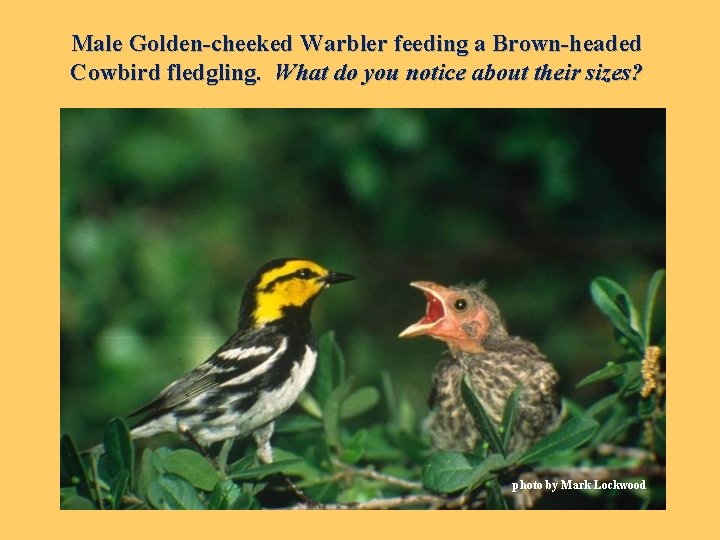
pixel 395 502
pixel 522 498
pixel 382 477
pixel 624 452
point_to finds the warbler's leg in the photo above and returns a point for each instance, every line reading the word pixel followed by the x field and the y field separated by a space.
pixel 265 455
pixel 262 437
pixel 185 432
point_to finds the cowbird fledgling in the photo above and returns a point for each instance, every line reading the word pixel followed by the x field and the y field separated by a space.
pixel 469 322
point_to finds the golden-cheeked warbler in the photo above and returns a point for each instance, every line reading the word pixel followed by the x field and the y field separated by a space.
pixel 260 370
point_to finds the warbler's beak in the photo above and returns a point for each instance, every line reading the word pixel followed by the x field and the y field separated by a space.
pixel 336 277
pixel 434 311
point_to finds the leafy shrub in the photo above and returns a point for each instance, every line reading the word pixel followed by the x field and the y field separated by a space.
pixel 340 460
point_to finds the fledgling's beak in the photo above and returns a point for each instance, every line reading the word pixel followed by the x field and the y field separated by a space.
pixel 435 310
pixel 334 278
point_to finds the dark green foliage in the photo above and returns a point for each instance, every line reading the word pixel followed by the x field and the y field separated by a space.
pixel 509 415
pixel 119 450
pixel 446 472
pixel 193 467
pixel 170 492
pixel 257 472
pixel 72 470
pixel 617 306
pixel 572 433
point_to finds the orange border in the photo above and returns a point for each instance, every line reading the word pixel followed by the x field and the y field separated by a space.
pixel 37 55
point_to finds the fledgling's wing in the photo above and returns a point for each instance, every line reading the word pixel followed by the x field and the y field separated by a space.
pixel 539 404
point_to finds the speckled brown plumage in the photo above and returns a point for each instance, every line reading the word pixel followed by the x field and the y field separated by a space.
pixel 480 346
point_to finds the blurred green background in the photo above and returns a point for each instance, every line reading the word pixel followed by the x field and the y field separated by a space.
pixel 165 214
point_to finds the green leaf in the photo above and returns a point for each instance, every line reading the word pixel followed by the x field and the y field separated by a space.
pixel 151 466
pixel 243 464
pixel 310 405
pixel 361 491
pixel 446 472
pixel 170 492
pixel 646 407
pixel 331 414
pixel 602 404
pixel 225 495
pixel 330 369
pixel 67 492
pixel 650 297
pixel 77 503
pixel 359 402
pixel 406 417
pixel 572 433
pixel 118 488
pixel 390 396
pixel 302 469
pixel 72 466
pixel 355 447
pixel 378 446
pixel 118 448
pixel 487 469
pixel 616 431
pixel 610 371
pixel 633 380
pixel 483 422
pixel 297 424
pixel 193 467
pixel 246 500
pixel 613 301
pixel 509 415
pixel 261 471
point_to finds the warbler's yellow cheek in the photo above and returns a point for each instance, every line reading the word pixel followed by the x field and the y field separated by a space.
pixel 297 292
pixel 289 293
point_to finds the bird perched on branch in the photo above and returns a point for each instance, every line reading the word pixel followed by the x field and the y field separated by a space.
pixel 469 322
pixel 260 370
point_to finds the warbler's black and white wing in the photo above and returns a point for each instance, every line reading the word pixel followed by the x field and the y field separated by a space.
pixel 238 357
pixel 228 395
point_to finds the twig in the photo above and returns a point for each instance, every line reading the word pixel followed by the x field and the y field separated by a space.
pixel 396 502
pixel 624 452
pixel 382 477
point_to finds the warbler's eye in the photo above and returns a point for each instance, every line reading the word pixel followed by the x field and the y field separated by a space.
pixel 460 304
pixel 304 273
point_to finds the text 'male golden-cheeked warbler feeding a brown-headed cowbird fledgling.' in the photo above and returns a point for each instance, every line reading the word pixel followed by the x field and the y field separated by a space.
pixel 470 323
pixel 260 370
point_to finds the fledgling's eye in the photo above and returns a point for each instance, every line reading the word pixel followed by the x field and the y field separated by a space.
pixel 304 273
pixel 460 304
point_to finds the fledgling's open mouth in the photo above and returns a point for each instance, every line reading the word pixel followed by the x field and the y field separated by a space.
pixel 434 311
